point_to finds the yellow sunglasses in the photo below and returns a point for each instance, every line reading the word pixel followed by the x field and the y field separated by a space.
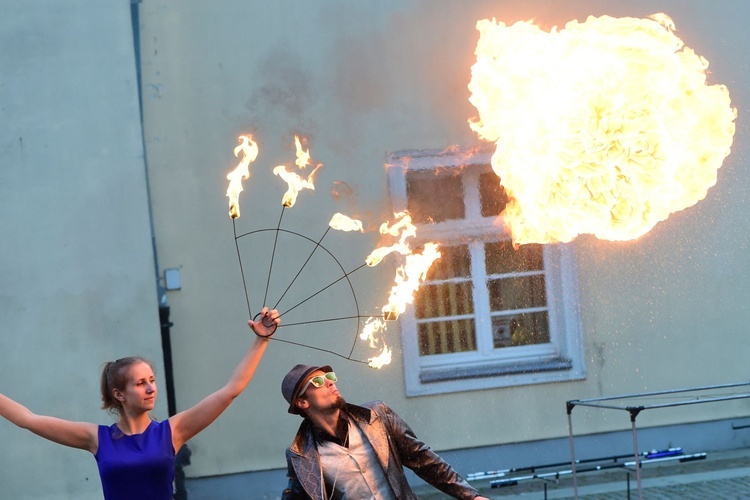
pixel 319 381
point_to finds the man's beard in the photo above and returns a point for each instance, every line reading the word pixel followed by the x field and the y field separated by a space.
pixel 339 404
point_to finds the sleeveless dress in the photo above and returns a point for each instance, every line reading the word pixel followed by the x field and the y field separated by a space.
pixel 140 466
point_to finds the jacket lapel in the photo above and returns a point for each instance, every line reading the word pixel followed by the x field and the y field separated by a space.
pixel 376 434
pixel 306 462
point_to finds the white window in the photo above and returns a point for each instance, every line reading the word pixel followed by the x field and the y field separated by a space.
pixel 488 315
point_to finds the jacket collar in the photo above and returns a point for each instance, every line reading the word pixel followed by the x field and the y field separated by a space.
pixel 304 441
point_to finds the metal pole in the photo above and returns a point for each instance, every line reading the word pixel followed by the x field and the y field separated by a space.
pixel 569 407
pixel 627 479
pixel 657 393
pixel 633 414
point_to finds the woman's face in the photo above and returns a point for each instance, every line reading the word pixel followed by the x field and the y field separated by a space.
pixel 139 392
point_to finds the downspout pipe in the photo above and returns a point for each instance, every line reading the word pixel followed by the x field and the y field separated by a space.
pixel 183 455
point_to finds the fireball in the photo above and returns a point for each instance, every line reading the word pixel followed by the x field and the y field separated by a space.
pixel 604 127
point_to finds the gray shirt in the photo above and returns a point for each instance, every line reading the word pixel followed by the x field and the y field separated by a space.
pixel 353 471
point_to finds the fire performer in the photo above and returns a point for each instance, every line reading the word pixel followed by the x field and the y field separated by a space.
pixel 360 451
pixel 136 455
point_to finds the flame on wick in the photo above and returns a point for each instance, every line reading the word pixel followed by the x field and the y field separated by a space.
pixel 604 127
pixel 303 157
pixel 294 181
pixel 372 327
pixel 249 150
pixel 403 226
pixel 407 280
pixel 341 222
pixel 382 359
pixel 409 275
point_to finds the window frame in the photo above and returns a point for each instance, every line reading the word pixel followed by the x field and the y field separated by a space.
pixel 560 360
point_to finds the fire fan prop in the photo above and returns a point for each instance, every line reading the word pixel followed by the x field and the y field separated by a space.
pixel 408 275
pixel 604 127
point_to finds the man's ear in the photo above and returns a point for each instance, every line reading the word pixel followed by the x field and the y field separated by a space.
pixel 302 404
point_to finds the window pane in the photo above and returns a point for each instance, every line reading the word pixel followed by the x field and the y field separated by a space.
pixel 520 292
pixel 434 196
pixel 444 337
pixel 446 299
pixel 501 258
pixel 491 194
pixel 520 329
pixel 454 262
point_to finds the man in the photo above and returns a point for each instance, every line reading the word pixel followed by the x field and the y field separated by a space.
pixel 345 451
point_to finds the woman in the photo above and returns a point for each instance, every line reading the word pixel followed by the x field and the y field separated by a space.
pixel 136 455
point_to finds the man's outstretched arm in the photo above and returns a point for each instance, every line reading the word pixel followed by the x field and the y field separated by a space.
pixel 425 463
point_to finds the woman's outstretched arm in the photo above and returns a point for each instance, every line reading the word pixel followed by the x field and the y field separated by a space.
pixel 190 422
pixel 81 435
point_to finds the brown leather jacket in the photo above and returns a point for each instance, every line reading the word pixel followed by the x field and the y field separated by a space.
pixel 395 445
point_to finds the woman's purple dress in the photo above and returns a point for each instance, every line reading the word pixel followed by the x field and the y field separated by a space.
pixel 139 466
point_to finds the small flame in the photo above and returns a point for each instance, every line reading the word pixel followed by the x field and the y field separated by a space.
pixel 408 278
pixel 295 182
pixel 249 150
pixel 405 227
pixel 382 359
pixel 341 222
pixel 372 327
pixel 303 157
pixel 604 127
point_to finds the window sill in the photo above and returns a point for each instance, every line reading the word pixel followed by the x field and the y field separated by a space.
pixel 431 375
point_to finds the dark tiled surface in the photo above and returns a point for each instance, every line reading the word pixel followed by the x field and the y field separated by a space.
pixel 721 475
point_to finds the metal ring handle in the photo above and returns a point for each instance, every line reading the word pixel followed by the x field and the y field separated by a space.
pixel 273 324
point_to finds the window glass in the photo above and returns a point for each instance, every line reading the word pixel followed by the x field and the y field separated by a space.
pixel 445 299
pixel 521 292
pixel 520 329
pixel 443 337
pixel 491 194
pixel 502 258
pixel 454 262
pixel 434 196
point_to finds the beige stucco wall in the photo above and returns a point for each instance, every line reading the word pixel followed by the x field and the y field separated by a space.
pixel 360 80
pixel 77 281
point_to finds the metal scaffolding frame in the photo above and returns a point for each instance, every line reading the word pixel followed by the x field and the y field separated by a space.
pixel 608 403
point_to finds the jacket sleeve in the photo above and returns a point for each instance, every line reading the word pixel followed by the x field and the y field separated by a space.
pixel 425 463
pixel 294 490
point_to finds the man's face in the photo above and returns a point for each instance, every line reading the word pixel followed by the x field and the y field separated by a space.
pixel 320 399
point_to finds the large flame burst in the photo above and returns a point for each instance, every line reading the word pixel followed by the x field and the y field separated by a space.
pixel 604 127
